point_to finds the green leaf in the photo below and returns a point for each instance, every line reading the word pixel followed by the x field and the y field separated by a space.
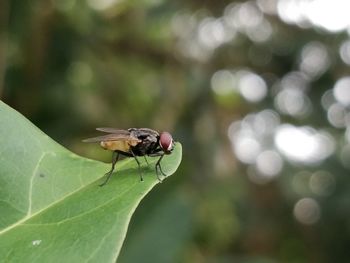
pixel 51 207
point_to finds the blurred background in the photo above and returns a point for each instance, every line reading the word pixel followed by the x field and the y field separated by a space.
pixel 257 92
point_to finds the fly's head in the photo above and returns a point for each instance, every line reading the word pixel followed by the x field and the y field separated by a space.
pixel 166 142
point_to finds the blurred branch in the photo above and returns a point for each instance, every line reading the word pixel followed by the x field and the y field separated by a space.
pixel 4 13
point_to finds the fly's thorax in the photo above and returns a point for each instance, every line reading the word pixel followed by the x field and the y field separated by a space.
pixel 144 134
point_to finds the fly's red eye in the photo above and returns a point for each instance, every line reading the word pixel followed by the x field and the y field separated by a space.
pixel 166 141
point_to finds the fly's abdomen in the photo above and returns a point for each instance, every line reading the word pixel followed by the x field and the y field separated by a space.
pixel 123 146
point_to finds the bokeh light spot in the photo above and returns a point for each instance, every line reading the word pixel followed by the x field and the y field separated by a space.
pixel 223 82
pixel 322 183
pixel 344 52
pixel 303 144
pixel 327 99
pixel 336 115
pixel 304 12
pixel 314 59
pixel 269 163
pixel 252 87
pixel 342 91
pixel 247 149
pixel 293 102
pixel 214 32
pixel 307 211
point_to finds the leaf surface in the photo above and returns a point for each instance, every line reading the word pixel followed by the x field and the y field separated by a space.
pixel 51 207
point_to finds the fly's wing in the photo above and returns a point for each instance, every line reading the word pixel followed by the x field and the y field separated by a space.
pixel 113 130
pixel 114 137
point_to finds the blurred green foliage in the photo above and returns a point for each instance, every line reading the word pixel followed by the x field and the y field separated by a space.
pixel 203 70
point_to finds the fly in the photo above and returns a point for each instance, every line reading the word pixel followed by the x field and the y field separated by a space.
pixel 135 142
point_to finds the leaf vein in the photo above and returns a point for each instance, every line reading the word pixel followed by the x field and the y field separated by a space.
pixel 120 196
pixel 30 191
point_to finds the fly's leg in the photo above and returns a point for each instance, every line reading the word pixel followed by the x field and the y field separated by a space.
pixel 158 166
pixel 115 157
pixel 146 159
pixel 138 163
